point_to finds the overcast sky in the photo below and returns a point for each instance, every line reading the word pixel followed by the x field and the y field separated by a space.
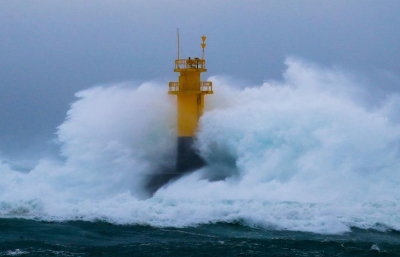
pixel 52 49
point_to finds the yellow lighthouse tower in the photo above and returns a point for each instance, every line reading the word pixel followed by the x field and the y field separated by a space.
pixel 190 92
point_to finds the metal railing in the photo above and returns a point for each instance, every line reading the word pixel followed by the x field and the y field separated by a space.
pixel 205 86
pixel 195 63
pixel 173 86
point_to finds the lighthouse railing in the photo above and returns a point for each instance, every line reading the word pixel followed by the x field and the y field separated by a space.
pixel 195 63
pixel 173 86
pixel 204 87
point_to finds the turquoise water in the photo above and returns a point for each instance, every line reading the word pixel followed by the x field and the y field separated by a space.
pixel 20 237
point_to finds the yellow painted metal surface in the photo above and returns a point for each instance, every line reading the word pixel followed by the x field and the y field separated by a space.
pixel 190 91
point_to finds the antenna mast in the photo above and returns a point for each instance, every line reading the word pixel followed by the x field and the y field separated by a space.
pixel 203 45
pixel 177 31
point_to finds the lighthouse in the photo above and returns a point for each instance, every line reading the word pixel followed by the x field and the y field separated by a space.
pixel 190 92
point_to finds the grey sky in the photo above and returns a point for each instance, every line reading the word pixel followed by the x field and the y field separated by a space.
pixel 51 49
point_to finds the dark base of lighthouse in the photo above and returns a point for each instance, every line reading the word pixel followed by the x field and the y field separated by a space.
pixel 187 160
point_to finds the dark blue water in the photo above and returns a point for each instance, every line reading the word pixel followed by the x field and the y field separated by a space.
pixel 20 237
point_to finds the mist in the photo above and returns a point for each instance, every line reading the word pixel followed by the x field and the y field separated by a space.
pixel 51 50
pixel 305 153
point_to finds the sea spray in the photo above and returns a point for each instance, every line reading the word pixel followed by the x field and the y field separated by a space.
pixel 303 154
pixel 298 141
pixel 119 135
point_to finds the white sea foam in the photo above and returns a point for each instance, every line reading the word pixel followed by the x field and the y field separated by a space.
pixel 302 154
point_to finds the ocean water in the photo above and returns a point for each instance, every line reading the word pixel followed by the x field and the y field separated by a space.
pixel 306 166
pixel 21 237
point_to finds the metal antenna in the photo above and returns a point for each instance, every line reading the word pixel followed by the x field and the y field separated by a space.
pixel 177 31
pixel 203 45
